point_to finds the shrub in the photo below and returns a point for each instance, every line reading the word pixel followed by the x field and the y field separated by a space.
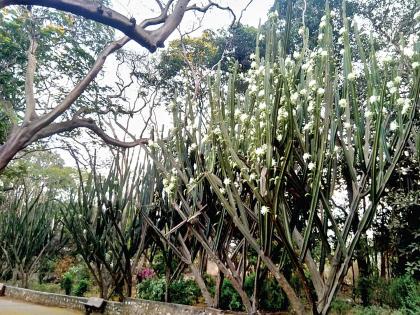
pixel 340 307
pixel 184 292
pixel 229 298
pixel 63 265
pixel 404 293
pixel 67 282
pixel 152 289
pixel 47 287
pixel 82 287
pixel 398 293
pixel 181 291
pixel 144 274
pixel 375 310
pixel 271 296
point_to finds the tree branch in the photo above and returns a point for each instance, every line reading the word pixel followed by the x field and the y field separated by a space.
pixel 82 85
pixel 159 19
pixel 70 125
pixel 29 81
pixel 99 13
pixel 204 9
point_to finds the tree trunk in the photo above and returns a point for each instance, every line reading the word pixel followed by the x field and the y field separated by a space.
pixel 383 271
pixel 167 283
pixel 219 284
pixel 202 285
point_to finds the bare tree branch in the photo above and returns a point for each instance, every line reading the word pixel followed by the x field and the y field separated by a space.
pixel 99 13
pixel 70 125
pixel 82 85
pixel 29 81
pixel 159 19
pixel 204 9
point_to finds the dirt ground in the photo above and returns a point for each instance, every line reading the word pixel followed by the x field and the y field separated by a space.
pixel 16 307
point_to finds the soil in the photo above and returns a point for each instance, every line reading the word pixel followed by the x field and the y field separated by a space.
pixel 15 307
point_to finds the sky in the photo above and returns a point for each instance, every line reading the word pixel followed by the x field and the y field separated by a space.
pixel 255 14
pixel 213 19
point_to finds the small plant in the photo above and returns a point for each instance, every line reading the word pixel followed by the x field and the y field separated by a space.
pixel 375 310
pixel 404 293
pixel 181 291
pixel 340 307
pixel 145 273
pixel 184 291
pixel 82 287
pixel 152 289
pixel 230 298
pixel 67 283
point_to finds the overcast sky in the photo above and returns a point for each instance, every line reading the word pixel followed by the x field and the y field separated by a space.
pixel 213 19
pixel 141 9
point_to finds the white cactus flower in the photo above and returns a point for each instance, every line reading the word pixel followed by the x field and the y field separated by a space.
pixel 351 76
pixel 373 99
pixel 306 156
pixel 342 103
pixel 264 210
pixel 393 125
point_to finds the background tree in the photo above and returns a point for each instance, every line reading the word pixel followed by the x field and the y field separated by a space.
pixel 36 125
pixel 29 232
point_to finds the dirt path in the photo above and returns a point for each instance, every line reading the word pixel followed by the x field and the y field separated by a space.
pixel 16 307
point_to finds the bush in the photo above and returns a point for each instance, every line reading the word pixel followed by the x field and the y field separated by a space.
pixel 182 291
pixel 82 287
pixel 77 277
pixel 375 310
pixel 67 282
pixel 399 293
pixel 229 298
pixel 47 287
pixel 340 307
pixel 144 274
pixel 404 293
pixel 271 295
pixel 152 289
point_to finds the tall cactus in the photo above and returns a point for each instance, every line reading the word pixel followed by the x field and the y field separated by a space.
pixel 28 231
pixel 103 219
pixel 271 161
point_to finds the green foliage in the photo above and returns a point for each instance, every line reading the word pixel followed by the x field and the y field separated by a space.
pixel 271 296
pixel 28 223
pixel 81 287
pixel 184 291
pixel 67 45
pixel 308 125
pixel 104 220
pixel 181 291
pixel 375 310
pixel 340 307
pixel 152 289
pixel 230 299
pixel 47 287
pixel 66 282
pixel 404 293
pixel 41 169
pixel 401 293
pixel 76 280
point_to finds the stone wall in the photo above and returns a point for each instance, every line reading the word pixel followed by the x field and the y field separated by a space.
pixel 59 300
pixel 129 307
pixel 143 307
